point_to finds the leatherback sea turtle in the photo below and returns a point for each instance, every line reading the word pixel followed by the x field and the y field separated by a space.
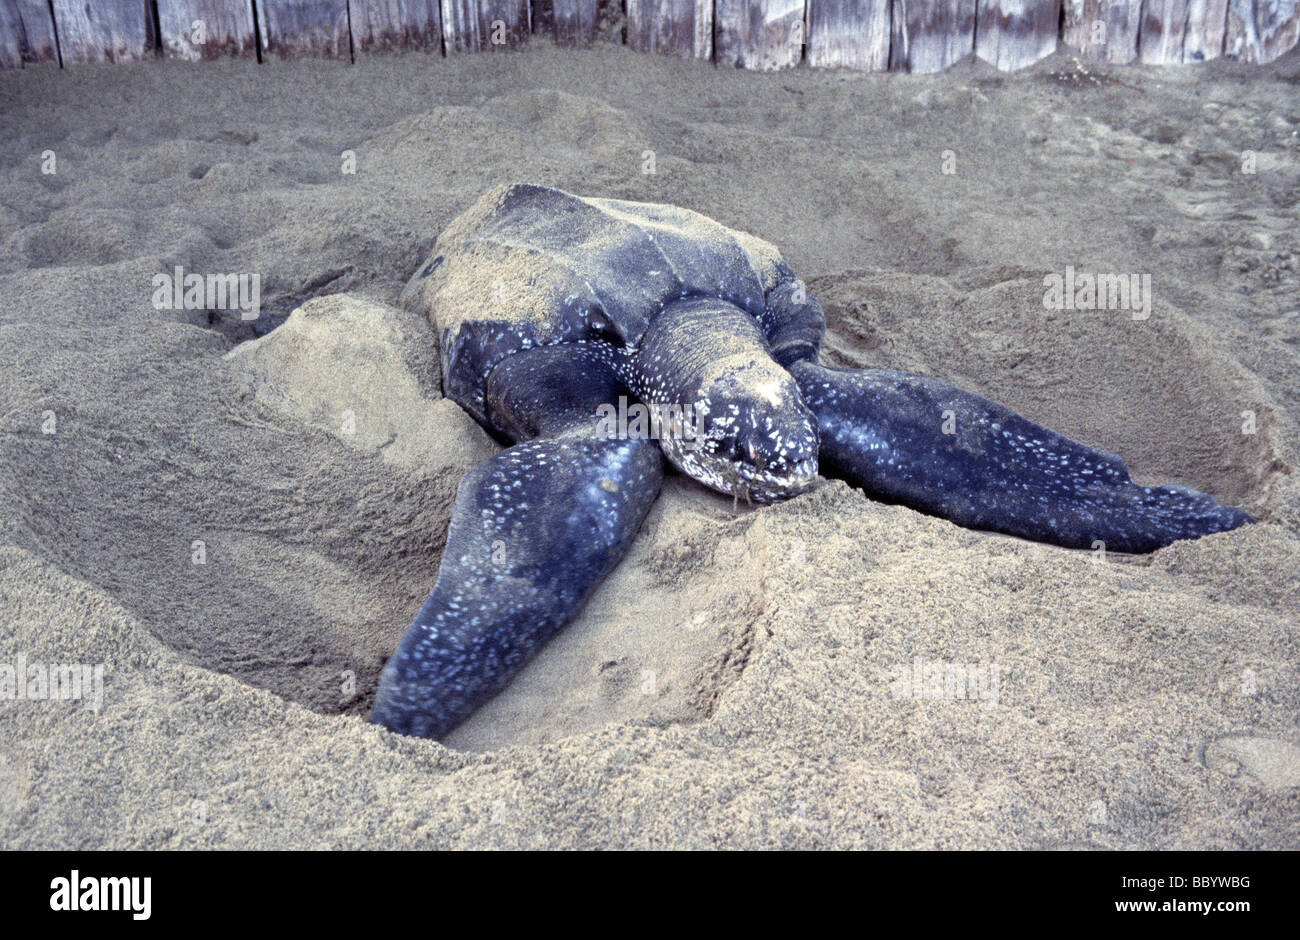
pixel 560 316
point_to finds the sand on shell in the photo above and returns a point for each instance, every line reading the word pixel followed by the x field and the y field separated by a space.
pixel 736 681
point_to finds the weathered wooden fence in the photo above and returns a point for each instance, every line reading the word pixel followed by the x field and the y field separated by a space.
pixel 875 35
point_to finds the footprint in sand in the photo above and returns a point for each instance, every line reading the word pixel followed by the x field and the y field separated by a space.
pixel 1275 764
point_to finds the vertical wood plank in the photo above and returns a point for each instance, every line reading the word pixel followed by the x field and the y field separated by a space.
pixel 1176 31
pixel 394 25
pixel 1084 28
pixel 1207 20
pixel 293 28
pixel 13 40
pixel 1012 34
pixel 575 21
pixel 930 35
pixel 227 29
pixel 1261 30
pixel 1164 23
pixel 118 31
pixel 38 28
pixel 542 15
pixel 759 34
pixel 481 25
pixel 1103 29
pixel 850 34
pixel 676 27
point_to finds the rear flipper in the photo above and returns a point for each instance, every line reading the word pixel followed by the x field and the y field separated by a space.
pixel 928 445
pixel 533 531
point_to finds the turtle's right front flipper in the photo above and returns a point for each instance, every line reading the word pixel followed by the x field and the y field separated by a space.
pixel 936 448
pixel 533 531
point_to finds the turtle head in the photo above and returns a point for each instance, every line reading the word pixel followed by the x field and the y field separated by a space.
pixel 753 436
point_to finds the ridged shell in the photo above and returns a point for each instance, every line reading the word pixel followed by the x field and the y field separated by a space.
pixel 532 266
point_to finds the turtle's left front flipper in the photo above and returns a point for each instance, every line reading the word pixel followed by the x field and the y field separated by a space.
pixel 533 532
pixel 936 448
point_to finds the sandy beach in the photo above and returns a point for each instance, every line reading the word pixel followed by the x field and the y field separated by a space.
pixel 236 519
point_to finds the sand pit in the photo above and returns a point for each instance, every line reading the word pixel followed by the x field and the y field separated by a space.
pixel 237 522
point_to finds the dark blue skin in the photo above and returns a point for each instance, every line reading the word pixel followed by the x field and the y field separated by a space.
pixel 536 528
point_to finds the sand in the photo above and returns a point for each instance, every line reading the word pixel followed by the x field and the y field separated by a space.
pixel 743 679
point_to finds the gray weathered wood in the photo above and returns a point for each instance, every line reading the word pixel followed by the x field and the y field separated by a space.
pixel 13 40
pixel 904 35
pixel 541 14
pixel 1103 29
pixel 1176 31
pixel 293 28
pixel 107 31
pixel 1261 30
pixel 479 25
pixel 1012 34
pixel 575 21
pixel 850 34
pixel 930 35
pixel 226 30
pixel 38 27
pixel 1161 39
pixel 394 25
pixel 677 27
pixel 1207 21
pixel 759 34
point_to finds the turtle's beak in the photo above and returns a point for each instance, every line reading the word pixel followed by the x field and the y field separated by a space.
pixel 767 488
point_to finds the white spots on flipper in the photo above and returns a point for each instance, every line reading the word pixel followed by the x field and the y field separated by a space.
pixel 534 529
pixel 998 471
